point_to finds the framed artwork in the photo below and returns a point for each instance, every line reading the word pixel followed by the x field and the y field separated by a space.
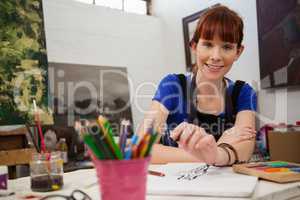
pixel 189 24
pixel 23 63
pixel 83 92
pixel 279 42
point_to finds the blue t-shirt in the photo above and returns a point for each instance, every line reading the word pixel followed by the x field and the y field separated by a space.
pixel 169 93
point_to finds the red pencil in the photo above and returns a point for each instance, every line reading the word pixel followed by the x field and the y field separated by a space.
pixel 155 173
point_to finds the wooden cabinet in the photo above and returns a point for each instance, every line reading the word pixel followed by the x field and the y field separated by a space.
pixel 14 149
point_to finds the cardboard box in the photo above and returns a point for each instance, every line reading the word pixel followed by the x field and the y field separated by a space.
pixel 284 146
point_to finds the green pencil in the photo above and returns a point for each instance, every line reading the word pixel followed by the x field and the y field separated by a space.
pixel 151 143
pixel 87 138
pixel 104 147
pixel 108 135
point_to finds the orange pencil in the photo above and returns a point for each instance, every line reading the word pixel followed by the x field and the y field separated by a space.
pixel 145 146
pixel 134 151
pixel 141 144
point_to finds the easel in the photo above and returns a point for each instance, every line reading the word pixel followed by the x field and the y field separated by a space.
pixel 14 150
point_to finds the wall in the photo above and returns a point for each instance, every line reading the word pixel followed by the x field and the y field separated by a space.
pixel 280 105
pixel 151 47
pixel 86 34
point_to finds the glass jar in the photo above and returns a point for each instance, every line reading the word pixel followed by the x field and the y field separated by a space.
pixel 46 172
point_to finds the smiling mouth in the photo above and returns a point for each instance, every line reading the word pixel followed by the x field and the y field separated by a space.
pixel 213 67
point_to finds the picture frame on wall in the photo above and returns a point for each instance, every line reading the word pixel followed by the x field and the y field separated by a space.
pixel 279 42
pixel 23 63
pixel 82 92
pixel 189 25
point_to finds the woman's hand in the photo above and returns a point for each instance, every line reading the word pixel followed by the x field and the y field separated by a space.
pixel 196 141
pixel 238 134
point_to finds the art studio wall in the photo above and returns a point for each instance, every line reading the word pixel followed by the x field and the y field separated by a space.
pixel 274 105
pixel 152 46
pixel 80 33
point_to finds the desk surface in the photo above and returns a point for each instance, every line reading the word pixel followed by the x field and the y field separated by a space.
pixel 74 180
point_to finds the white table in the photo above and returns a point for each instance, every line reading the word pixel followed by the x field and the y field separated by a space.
pixel 86 180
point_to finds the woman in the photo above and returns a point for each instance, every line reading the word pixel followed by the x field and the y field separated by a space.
pixel 210 118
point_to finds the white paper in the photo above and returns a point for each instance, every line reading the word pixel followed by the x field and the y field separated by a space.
pixel 221 182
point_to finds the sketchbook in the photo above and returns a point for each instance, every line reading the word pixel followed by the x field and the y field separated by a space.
pixel 218 181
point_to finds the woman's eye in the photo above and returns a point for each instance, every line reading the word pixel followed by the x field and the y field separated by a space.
pixel 207 44
pixel 227 47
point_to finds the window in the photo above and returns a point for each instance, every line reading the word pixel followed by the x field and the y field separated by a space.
pixel 135 6
pixel 116 4
pixel 132 6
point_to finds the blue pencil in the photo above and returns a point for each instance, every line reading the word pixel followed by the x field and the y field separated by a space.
pixel 128 153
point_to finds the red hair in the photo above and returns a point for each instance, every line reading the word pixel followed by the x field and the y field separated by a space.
pixel 222 21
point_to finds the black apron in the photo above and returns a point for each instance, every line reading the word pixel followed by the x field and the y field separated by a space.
pixel 214 125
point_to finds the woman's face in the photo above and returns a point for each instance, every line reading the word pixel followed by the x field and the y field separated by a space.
pixel 215 57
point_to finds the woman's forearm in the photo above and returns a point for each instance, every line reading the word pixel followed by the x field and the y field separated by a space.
pixel 164 154
pixel 244 149
pixel 222 157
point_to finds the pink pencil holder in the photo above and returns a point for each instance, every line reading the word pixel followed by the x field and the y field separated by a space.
pixel 122 179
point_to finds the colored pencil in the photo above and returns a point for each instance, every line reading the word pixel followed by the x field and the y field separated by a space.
pixel 153 139
pixel 155 173
pixel 108 135
pixel 123 135
pixel 144 148
pixel 88 139
pixel 132 147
